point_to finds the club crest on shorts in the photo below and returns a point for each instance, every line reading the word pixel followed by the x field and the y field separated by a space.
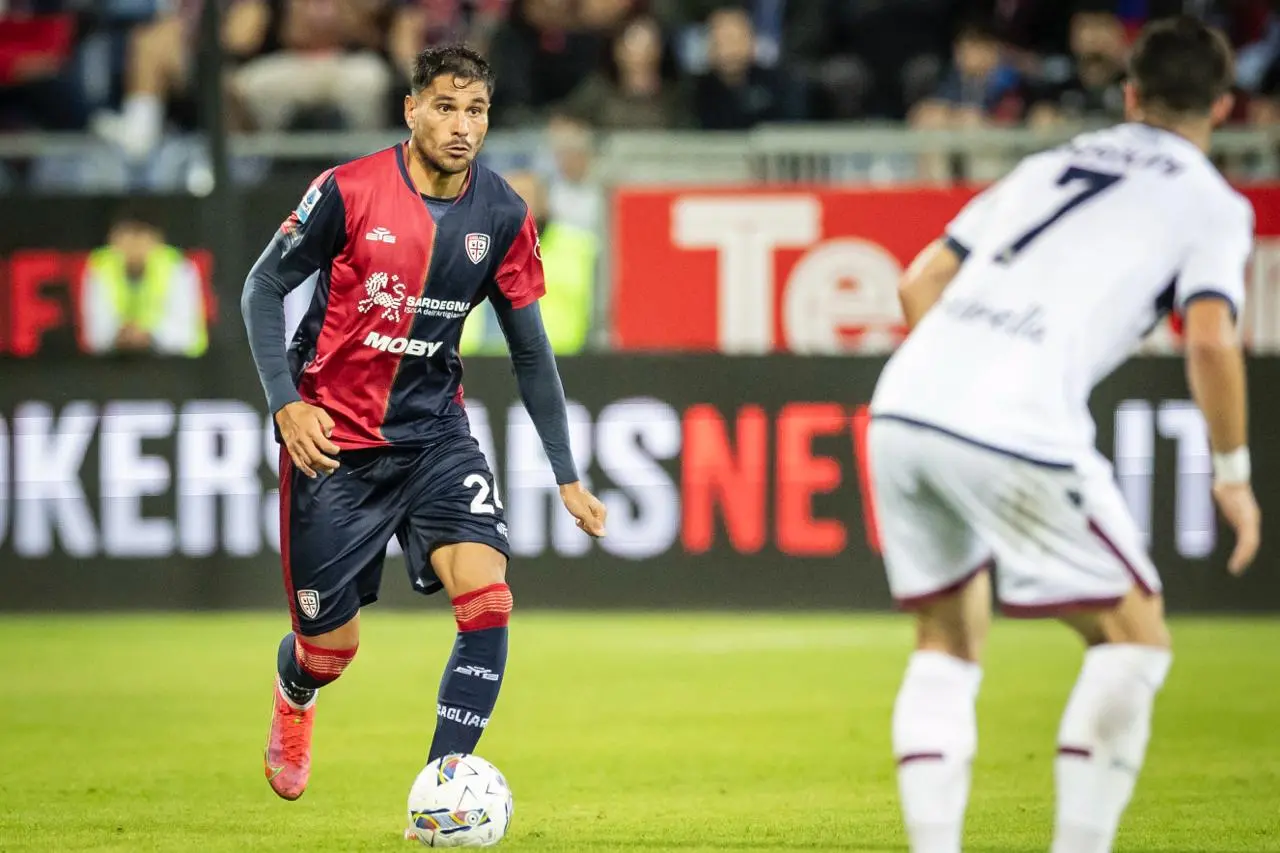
pixel 309 602
pixel 477 246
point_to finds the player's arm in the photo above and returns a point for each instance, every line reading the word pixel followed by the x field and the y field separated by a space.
pixel 929 274
pixel 935 267
pixel 519 285
pixel 1210 293
pixel 308 241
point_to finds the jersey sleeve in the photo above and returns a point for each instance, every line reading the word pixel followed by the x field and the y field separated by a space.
pixel 309 240
pixel 519 276
pixel 968 226
pixel 1215 266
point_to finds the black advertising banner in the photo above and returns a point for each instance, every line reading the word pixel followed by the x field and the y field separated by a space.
pixel 731 482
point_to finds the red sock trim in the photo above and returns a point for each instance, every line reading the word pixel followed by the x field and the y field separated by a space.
pixel 487 607
pixel 321 664
pixel 1075 752
pixel 913 757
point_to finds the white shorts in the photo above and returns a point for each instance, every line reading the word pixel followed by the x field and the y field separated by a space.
pixel 1060 539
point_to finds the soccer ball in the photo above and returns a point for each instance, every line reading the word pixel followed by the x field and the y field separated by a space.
pixel 459 801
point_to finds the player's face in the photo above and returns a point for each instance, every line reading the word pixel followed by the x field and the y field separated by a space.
pixel 448 121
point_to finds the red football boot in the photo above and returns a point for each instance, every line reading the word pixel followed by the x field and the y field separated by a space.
pixel 287 759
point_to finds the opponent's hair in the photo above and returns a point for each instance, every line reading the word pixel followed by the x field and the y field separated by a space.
pixel 455 60
pixel 1181 65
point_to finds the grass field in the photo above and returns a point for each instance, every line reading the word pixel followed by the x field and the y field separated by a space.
pixel 618 733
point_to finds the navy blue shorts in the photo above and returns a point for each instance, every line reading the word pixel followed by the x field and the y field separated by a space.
pixel 334 530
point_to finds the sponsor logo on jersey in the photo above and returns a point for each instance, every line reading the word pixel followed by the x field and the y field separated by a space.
pixel 308 203
pixel 451 308
pixel 380 235
pixel 477 246
pixel 385 292
pixel 407 346
pixel 461 715
pixel 309 602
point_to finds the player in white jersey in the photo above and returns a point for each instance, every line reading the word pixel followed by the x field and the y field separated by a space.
pixel 982 446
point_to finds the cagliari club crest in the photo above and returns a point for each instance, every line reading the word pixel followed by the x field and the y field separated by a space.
pixel 309 602
pixel 477 246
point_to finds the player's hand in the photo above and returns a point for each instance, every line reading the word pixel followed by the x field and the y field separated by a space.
pixel 306 429
pixel 1240 509
pixel 585 507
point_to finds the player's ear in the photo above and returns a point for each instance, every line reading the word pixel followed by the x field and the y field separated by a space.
pixel 410 102
pixel 1132 104
pixel 1223 108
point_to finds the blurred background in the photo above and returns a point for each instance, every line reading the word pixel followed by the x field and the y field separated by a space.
pixel 727 193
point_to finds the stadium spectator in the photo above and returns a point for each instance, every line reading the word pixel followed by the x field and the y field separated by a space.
pixel 569 256
pixel 737 92
pixel 319 65
pixel 160 73
pixel 639 87
pixel 574 196
pixel 140 295
pixel 422 22
pixel 538 57
pixel 981 87
pixel 1093 89
pixel 38 87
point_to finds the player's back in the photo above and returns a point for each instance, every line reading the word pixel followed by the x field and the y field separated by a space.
pixel 1069 261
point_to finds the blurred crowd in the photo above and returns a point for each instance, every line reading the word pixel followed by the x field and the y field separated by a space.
pixel 128 70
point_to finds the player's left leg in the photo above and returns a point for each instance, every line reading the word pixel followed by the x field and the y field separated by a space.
pixel 937 568
pixel 455 538
pixel 935 722
pixel 474 578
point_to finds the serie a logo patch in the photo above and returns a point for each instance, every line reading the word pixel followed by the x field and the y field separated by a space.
pixel 309 602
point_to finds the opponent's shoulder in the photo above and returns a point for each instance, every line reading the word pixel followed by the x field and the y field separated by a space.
pixel 504 203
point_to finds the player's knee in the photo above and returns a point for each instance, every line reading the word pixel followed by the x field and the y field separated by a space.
pixel 487 607
pixel 322 663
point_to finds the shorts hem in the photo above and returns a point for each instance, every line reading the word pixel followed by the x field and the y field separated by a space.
pixel 914 602
pixel 1058 608
pixel 315 629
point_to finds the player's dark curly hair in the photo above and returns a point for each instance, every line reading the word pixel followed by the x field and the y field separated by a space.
pixel 455 60
pixel 1181 65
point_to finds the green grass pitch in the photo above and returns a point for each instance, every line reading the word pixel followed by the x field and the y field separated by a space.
pixel 618 733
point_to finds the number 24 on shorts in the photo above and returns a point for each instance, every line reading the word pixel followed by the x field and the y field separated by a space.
pixel 480 502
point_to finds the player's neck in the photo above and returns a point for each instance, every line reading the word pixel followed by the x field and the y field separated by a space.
pixel 1198 133
pixel 434 182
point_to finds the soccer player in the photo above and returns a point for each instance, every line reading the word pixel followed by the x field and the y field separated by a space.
pixel 368 402
pixel 982 446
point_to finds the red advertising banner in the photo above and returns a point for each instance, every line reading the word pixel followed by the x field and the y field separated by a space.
pixel 808 270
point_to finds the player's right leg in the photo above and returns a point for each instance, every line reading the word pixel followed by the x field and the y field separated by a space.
pixel 936 568
pixel 331 554
pixel 1102 739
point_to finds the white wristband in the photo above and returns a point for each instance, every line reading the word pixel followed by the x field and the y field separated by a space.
pixel 1232 467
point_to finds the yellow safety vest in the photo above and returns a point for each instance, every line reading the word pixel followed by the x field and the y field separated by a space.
pixel 143 304
pixel 569 264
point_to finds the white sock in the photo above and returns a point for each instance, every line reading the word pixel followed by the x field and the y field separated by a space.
pixel 143 123
pixel 1102 742
pixel 935 735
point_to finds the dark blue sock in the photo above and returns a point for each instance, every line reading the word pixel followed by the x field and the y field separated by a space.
pixel 298 684
pixel 473 676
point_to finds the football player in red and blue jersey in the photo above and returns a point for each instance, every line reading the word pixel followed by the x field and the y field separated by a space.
pixel 367 399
